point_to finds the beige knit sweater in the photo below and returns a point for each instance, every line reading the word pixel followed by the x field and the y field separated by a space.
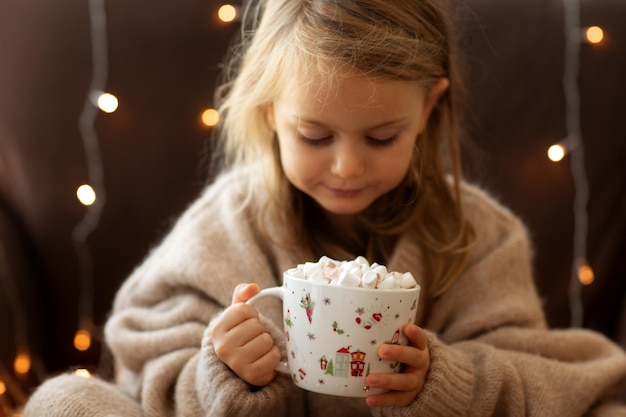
pixel 491 354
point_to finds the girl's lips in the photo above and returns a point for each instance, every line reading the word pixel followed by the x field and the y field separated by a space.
pixel 345 192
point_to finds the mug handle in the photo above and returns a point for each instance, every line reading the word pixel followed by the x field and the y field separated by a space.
pixel 282 367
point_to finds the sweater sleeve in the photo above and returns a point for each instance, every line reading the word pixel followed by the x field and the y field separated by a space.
pixel 517 372
pixel 158 330
pixel 491 351
pixel 229 395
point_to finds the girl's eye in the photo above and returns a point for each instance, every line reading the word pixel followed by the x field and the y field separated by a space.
pixel 381 142
pixel 321 141
pixel 314 141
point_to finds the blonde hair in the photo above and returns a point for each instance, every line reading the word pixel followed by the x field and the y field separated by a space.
pixel 381 39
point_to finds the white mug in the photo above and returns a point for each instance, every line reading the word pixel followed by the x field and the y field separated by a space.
pixel 333 332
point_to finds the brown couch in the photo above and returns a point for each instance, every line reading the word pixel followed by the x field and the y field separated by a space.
pixel 163 63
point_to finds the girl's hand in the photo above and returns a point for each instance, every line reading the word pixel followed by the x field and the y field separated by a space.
pixel 404 386
pixel 242 343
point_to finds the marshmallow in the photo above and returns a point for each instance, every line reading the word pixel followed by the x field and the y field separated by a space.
pixel 325 261
pixel 389 283
pixel 370 279
pixel 347 265
pixel 381 270
pixel 397 276
pixel 354 273
pixel 348 279
pixel 297 273
pixel 408 281
pixel 309 268
pixel 318 276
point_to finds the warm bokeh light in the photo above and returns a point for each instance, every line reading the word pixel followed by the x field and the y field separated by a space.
pixel 3 388
pixel 594 34
pixel 86 195
pixel 107 102
pixel 585 273
pixel 83 373
pixel 82 340
pixel 227 13
pixel 210 117
pixel 556 152
pixel 21 365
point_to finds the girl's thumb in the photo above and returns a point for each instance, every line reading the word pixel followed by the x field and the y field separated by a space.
pixel 243 292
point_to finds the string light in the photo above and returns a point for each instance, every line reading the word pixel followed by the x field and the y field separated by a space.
pixel 3 387
pixel 86 123
pixel 585 273
pixel 107 102
pixel 86 194
pixel 594 34
pixel 577 156
pixel 582 273
pixel 82 340
pixel 210 117
pixel 83 373
pixel 22 363
pixel 227 13
pixel 557 152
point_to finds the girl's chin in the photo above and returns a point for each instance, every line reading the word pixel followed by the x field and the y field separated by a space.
pixel 343 209
pixel 343 206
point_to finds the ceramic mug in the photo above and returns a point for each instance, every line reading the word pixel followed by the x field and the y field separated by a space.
pixel 333 332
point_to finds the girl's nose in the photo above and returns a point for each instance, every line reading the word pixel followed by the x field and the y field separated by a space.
pixel 348 163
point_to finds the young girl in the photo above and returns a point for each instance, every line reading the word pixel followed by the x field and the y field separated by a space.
pixel 338 139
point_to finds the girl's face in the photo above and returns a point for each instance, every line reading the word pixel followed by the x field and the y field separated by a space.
pixel 348 146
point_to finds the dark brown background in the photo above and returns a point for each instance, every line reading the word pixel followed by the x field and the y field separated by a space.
pixel 163 63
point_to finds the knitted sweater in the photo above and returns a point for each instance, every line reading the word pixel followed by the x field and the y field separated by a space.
pixel 491 352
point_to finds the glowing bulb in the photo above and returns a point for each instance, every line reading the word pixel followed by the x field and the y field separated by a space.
pixel 82 340
pixel 86 194
pixel 594 34
pixel 83 373
pixel 556 152
pixel 3 388
pixel 227 13
pixel 107 102
pixel 585 273
pixel 21 365
pixel 210 117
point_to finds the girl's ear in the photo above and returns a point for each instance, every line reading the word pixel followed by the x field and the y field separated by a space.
pixel 269 116
pixel 432 97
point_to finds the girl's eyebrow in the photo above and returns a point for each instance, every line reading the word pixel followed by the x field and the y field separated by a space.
pixel 393 122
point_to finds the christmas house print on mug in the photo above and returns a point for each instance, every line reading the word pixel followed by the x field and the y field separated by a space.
pixel 346 363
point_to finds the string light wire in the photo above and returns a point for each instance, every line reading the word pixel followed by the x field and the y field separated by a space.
pixel 573 40
pixel 89 136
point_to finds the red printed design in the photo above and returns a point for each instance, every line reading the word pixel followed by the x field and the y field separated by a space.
pixel 308 305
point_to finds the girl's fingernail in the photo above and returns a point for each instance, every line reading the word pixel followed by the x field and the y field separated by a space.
pixel 385 351
pixel 373 380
